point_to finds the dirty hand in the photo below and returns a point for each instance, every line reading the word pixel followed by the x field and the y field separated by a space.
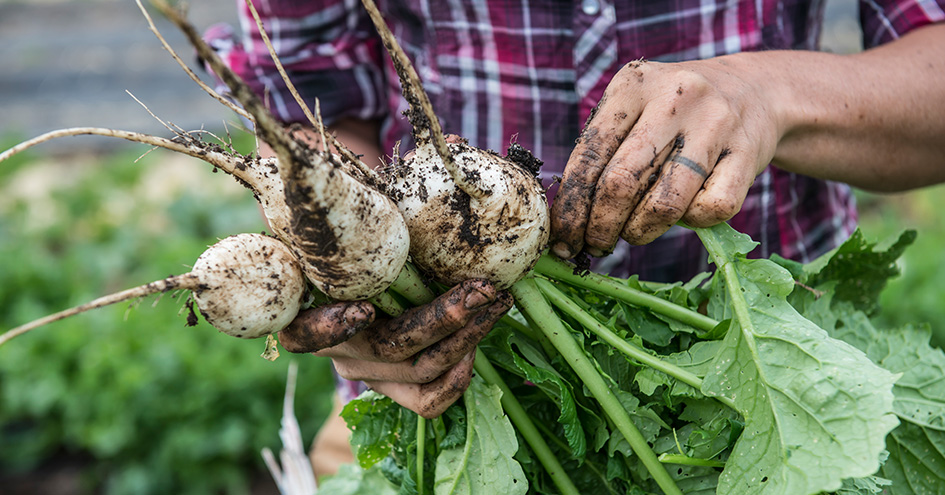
pixel 423 360
pixel 667 142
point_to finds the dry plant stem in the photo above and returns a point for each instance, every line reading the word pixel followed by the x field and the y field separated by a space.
pixel 289 152
pixel 146 109
pixel 190 73
pixel 426 126
pixel 185 281
pixel 315 121
pixel 227 162
pixel 293 155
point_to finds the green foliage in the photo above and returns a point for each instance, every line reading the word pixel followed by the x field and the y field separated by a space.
pixel 351 479
pixel 789 388
pixel 159 407
pixel 793 384
pixel 483 463
pixel 916 295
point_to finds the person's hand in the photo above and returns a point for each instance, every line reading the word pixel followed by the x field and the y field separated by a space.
pixel 423 360
pixel 668 142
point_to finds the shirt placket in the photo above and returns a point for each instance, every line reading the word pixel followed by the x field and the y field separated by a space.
pixel 595 51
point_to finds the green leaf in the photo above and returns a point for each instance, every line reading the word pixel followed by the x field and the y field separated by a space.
pixel 532 364
pixel 484 464
pixel 713 428
pixel 698 360
pixel 456 434
pixel 648 326
pixel 816 409
pixel 916 463
pixel 869 485
pixel 859 268
pixel 920 392
pixel 374 423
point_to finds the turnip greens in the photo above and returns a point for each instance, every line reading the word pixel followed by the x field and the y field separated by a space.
pixel 782 386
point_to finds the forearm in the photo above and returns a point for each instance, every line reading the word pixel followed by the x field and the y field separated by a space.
pixel 875 120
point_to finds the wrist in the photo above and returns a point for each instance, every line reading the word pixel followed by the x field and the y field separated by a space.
pixel 809 99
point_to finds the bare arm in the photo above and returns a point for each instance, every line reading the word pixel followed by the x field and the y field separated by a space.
pixel 684 141
pixel 875 120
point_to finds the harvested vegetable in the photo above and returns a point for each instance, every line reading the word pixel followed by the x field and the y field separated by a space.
pixel 732 383
pixel 246 285
pixel 349 237
pixel 769 393
pixel 471 213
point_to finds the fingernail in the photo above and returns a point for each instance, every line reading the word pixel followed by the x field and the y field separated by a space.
pixel 355 319
pixel 562 250
pixel 476 299
pixel 595 252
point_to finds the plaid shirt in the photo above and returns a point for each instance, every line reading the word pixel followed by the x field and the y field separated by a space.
pixel 531 71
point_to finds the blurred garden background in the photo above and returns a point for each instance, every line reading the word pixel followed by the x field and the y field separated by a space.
pixel 129 400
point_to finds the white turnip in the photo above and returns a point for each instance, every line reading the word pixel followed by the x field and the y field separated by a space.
pixel 350 237
pixel 246 285
pixel 471 213
pixel 492 223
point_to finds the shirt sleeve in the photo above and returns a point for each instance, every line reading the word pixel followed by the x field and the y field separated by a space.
pixel 329 49
pixel 887 20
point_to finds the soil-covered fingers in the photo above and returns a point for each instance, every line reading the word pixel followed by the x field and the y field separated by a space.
pixel 326 326
pixel 723 193
pixel 397 339
pixel 679 179
pixel 430 399
pixel 627 177
pixel 430 363
pixel 606 128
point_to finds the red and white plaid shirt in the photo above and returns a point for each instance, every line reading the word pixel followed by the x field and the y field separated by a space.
pixel 532 70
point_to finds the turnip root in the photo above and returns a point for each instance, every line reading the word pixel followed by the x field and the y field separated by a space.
pixel 492 223
pixel 246 285
pixel 471 213
pixel 350 237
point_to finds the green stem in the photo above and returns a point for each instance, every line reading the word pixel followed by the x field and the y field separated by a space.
pixel 591 465
pixel 519 327
pixel 386 303
pixel 689 461
pixel 566 304
pixel 734 287
pixel 530 300
pixel 563 302
pixel 557 269
pixel 421 447
pixel 410 285
pixel 523 422
pixel 438 428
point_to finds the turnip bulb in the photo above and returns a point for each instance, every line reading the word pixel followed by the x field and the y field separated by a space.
pixel 491 222
pixel 246 285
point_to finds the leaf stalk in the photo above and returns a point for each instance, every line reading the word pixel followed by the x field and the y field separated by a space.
pixel 530 300
pixel 556 269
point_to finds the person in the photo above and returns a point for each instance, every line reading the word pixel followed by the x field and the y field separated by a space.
pixel 695 111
